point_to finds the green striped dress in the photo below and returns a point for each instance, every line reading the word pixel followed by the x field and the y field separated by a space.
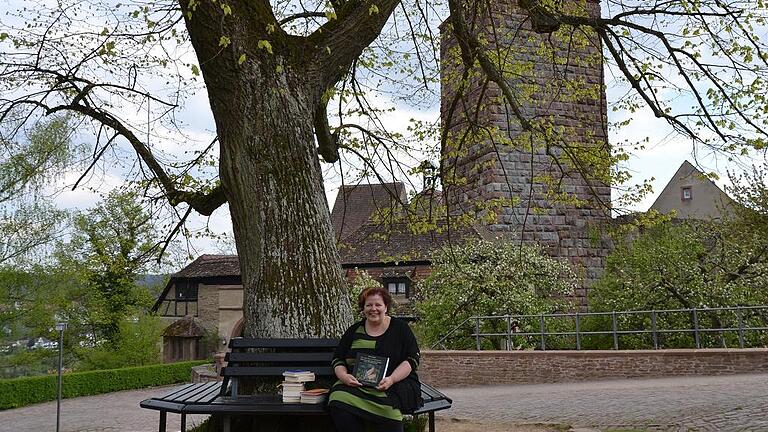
pixel 399 344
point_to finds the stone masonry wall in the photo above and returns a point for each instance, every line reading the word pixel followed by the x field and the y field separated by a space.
pixel 469 368
pixel 542 196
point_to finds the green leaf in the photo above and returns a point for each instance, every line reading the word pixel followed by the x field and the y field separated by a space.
pixel 265 45
pixel 227 10
pixel 224 41
pixel 373 10
pixel 195 70
pixel 241 60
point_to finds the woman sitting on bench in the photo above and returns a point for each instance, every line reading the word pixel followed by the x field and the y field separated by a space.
pixel 353 406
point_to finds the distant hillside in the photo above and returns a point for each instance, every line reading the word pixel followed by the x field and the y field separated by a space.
pixel 154 282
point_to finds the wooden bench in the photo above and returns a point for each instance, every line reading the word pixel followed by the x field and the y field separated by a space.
pixel 274 356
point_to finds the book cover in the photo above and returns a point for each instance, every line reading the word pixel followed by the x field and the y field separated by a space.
pixel 370 369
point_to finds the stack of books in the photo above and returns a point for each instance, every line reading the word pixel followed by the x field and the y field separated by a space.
pixel 314 396
pixel 293 384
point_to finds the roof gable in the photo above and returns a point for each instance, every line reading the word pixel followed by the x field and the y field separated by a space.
pixel 705 199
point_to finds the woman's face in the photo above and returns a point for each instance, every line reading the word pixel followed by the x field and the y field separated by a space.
pixel 374 309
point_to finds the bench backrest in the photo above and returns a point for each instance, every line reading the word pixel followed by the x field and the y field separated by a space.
pixel 271 357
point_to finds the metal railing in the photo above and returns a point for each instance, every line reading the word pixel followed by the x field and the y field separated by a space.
pixel 743 326
pixel 178 308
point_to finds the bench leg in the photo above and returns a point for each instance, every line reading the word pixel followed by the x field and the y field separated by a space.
pixel 432 421
pixel 183 422
pixel 226 424
pixel 161 427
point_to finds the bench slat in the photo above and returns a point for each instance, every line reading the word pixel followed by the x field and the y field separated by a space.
pixel 206 394
pixel 186 393
pixel 317 357
pixel 261 371
pixel 161 405
pixel 432 393
pixel 177 390
pixel 243 343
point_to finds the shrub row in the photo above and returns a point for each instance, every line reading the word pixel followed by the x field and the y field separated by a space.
pixel 19 392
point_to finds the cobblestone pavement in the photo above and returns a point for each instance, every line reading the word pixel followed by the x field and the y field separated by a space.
pixel 112 412
pixel 731 403
pixel 727 403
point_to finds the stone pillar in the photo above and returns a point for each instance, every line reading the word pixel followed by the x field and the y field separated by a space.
pixel 547 188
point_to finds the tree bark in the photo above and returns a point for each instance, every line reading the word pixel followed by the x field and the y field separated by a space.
pixel 271 174
pixel 264 111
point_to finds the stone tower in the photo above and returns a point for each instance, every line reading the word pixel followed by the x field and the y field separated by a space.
pixel 543 179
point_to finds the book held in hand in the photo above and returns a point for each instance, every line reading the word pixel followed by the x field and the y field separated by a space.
pixel 370 369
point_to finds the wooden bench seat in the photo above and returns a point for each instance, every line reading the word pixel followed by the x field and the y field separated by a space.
pixel 272 358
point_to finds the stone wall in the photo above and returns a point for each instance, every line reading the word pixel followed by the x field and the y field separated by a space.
pixel 541 195
pixel 468 368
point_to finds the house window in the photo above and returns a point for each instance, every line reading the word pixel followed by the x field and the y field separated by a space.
pixel 186 290
pixel 686 193
pixel 397 286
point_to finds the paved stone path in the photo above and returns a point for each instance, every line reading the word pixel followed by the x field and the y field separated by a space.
pixel 112 412
pixel 733 403
pixel 728 403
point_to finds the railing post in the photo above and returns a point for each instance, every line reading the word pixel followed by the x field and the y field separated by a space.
pixel 477 332
pixel 509 333
pixel 654 331
pixel 615 331
pixel 541 329
pixel 696 329
pixel 741 327
pixel 578 335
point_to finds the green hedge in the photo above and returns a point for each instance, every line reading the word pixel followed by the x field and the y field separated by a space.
pixel 19 392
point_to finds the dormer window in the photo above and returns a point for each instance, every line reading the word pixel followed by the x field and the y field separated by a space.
pixel 686 193
pixel 400 286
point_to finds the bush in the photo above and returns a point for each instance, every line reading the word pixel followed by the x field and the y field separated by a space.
pixel 138 344
pixel 20 392
pixel 490 278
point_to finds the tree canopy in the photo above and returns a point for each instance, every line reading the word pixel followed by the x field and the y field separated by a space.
pixel 273 71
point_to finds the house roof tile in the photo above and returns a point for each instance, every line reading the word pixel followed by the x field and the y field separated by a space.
pixel 386 243
pixel 355 205
pixel 210 265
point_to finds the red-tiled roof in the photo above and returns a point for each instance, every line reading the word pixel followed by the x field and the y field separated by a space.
pixel 356 204
pixel 376 243
pixel 210 265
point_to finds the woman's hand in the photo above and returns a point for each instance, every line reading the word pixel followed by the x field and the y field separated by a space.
pixel 349 380
pixel 385 383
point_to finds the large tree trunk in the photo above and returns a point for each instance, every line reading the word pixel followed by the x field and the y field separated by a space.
pixel 269 167
pixel 271 173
